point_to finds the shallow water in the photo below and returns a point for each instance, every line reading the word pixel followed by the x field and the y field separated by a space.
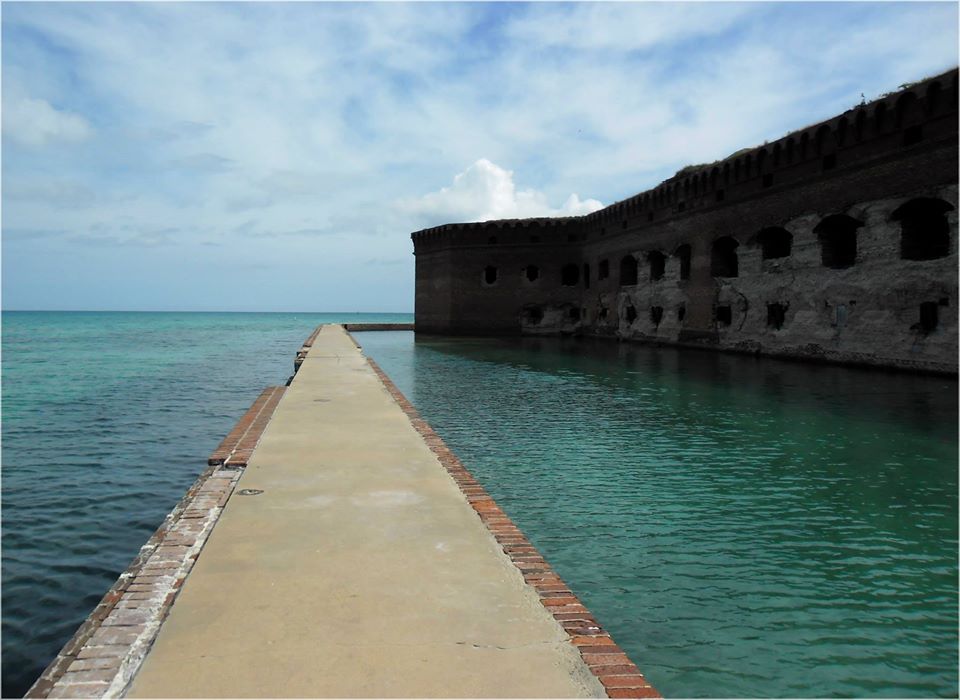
pixel 107 420
pixel 744 527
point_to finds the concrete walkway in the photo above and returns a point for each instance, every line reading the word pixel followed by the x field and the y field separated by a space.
pixel 359 571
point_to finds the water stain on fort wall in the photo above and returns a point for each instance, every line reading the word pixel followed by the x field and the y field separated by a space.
pixel 837 242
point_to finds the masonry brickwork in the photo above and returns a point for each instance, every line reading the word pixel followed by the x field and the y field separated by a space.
pixel 837 242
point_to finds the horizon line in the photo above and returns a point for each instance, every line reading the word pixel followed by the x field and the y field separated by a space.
pixel 193 311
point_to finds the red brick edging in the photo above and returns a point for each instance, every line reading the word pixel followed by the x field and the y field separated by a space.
pixel 236 448
pixel 106 651
pixel 619 676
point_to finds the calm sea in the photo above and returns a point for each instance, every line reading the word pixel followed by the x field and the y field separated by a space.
pixel 744 527
pixel 107 419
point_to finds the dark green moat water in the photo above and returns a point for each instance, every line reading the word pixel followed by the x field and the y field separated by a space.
pixel 744 527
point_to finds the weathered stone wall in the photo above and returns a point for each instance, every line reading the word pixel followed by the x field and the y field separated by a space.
pixel 793 249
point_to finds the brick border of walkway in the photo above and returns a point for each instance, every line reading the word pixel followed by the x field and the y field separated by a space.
pixel 235 449
pixel 619 676
pixel 106 651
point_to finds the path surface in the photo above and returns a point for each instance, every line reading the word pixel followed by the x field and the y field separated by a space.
pixel 360 570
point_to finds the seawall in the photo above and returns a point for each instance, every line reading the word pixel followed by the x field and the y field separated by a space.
pixel 336 547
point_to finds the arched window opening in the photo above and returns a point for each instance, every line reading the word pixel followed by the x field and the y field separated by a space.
pixel 602 313
pixel 723 315
pixel 929 317
pixel 860 123
pixel 658 264
pixel 804 145
pixel 822 139
pixel 586 275
pixel 880 117
pixel 628 271
pixel 532 273
pixel 631 314
pixel 838 241
pixel 681 312
pixel 776 315
pixel 723 260
pixel 683 254
pixel 656 315
pixel 490 274
pixel 570 275
pixel 924 230
pixel 842 130
pixel 603 269
pixel 906 110
pixel 775 242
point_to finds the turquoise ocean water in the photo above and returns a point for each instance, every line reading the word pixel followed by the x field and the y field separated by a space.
pixel 107 419
pixel 743 527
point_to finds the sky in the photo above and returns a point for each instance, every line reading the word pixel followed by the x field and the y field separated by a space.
pixel 277 156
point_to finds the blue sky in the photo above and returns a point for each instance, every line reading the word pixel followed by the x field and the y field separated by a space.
pixel 276 157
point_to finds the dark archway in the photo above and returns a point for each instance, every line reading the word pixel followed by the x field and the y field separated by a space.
pixel 658 264
pixel 570 275
pixel 628 271
pixel 723 259
pixel 776 315
pixel 924 230
pixel 775 242
pixel 838 241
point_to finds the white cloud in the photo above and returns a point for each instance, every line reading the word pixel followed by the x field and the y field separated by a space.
pixel 623 27
pixel 258 127
pixel 484 192
pixel 34 122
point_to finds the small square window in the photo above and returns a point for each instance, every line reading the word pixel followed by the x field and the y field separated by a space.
pixel 723 315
